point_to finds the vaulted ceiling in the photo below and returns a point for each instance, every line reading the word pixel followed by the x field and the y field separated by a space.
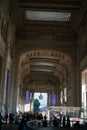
pixel 44 29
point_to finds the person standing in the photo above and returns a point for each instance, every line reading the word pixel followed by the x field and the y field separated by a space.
pixel 68 121
pixel 64 121
pixel 6 117
pixel 0 120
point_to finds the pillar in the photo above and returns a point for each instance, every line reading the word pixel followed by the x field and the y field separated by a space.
pixel 31 101
pixel 58 96
pixel 5 79
pixel 49 99
pixel 1 63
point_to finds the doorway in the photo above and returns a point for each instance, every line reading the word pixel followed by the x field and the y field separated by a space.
pixel 42 98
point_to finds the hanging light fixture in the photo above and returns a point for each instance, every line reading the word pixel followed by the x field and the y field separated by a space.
pixel 40 96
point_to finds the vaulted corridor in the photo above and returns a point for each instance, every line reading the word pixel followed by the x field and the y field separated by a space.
pixel 43 49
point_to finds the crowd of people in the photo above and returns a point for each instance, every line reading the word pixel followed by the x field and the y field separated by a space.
pixel 60 121
pixel 7 118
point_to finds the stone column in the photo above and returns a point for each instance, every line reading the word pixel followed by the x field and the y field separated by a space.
pixel 2 68
pixel 3 87
pixel 58 96
pixel 15 88
pixel 12 78
pixel 76 87
pixel 5 80
pixel 30 96
pixel 32 101
pixel 1 62
pixel 49 99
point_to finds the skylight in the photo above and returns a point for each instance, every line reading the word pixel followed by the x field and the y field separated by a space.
pixel 48 16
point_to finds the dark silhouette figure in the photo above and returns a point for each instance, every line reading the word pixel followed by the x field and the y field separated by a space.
pixel 6 117
pixel 64 120
pixel 44 123
pixel 60 120
pixel 76 125
pixel 0 120
pixel 36 105
pixel 44 117
pixel 55 122
pixel 68 122
pixel 22 125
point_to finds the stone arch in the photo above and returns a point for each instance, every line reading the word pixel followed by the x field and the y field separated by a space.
pixel 45 63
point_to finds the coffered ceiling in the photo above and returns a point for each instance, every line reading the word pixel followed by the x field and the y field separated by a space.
pixel 61 16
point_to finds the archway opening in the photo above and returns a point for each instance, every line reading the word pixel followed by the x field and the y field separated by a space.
pixel 42 99
pixel 84 93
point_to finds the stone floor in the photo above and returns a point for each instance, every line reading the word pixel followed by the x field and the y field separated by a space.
pixel 15 127
pixel 9 127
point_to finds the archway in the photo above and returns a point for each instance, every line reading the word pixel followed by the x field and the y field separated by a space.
pixel 45 71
